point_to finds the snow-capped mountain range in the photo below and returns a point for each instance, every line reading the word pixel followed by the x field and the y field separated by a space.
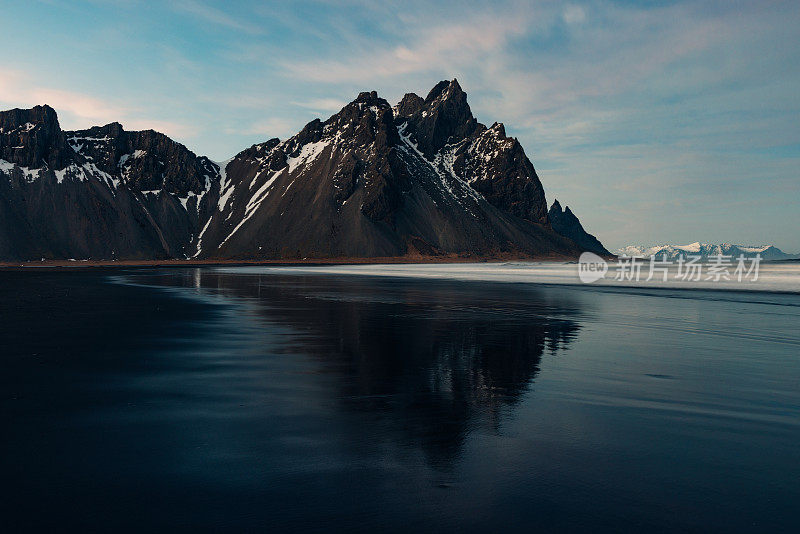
pixel 422 178
pixel 767 252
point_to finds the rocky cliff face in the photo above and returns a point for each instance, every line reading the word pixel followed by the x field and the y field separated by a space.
pixel 422 178
pixel 493 164
pixel 145 160
pixel 32 138
pixel 567 224
pixel 97 194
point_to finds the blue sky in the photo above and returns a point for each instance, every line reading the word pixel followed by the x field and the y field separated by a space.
pixel 655 121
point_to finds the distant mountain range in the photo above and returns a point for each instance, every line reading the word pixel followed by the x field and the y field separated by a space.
pixel 767 252
pixel 419 179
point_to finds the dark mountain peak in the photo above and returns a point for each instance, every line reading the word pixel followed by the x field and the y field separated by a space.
pixel 437 90
pixel 364 101
pixel 445 90
pixel 444 117
pixel 268 156
pixel 311 133
pixel 370 98
pixel 113 129
pixel 364 121
pixel 44 108
pixel 259 148
pixel 449 99
pixel 563 215
pixel 33 138
pixel 500 129
pixel 361 123
pixel 567 224
pixel 409 105
pixel 44 114
pixel 450 94
pixel 41 114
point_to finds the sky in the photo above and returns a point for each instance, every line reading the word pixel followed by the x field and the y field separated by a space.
pixel 656 122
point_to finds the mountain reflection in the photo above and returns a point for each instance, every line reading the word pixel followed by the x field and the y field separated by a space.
pixel 427 360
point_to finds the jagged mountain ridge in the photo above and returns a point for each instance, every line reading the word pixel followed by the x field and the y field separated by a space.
pixel 374 180
pixel 492 163
pixel 99 193
pixel 705 250
pixel 422 178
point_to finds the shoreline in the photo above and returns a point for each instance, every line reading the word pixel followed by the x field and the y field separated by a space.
pixel 390 260
pixel 286 262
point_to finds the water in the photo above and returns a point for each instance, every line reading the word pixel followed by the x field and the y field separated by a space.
pixel 263 398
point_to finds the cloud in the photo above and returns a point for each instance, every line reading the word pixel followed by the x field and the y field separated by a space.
pixel 426 48
pixel 574 15
pixel 266 128
pixel 175 130
pixel 82 107
pixel 78 110
pixel 487 51
pixel 215 16
pixel 322 104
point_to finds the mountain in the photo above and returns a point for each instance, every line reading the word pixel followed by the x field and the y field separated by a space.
pixel 421 179
pixel 767 252
pixel 99 193
pixel 567 224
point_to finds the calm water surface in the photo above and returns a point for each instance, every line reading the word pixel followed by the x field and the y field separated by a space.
pixel 209 400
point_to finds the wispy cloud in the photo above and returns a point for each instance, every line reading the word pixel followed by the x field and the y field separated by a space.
pixel 574 15
pixel 216 16
pixel 266 128
pixel 79 110
pixel 427 49
pixel 322 104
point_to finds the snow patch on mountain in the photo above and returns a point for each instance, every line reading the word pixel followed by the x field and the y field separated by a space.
pixel 225 187
pixel 29 175
pixel 767 252
pixel 308 153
